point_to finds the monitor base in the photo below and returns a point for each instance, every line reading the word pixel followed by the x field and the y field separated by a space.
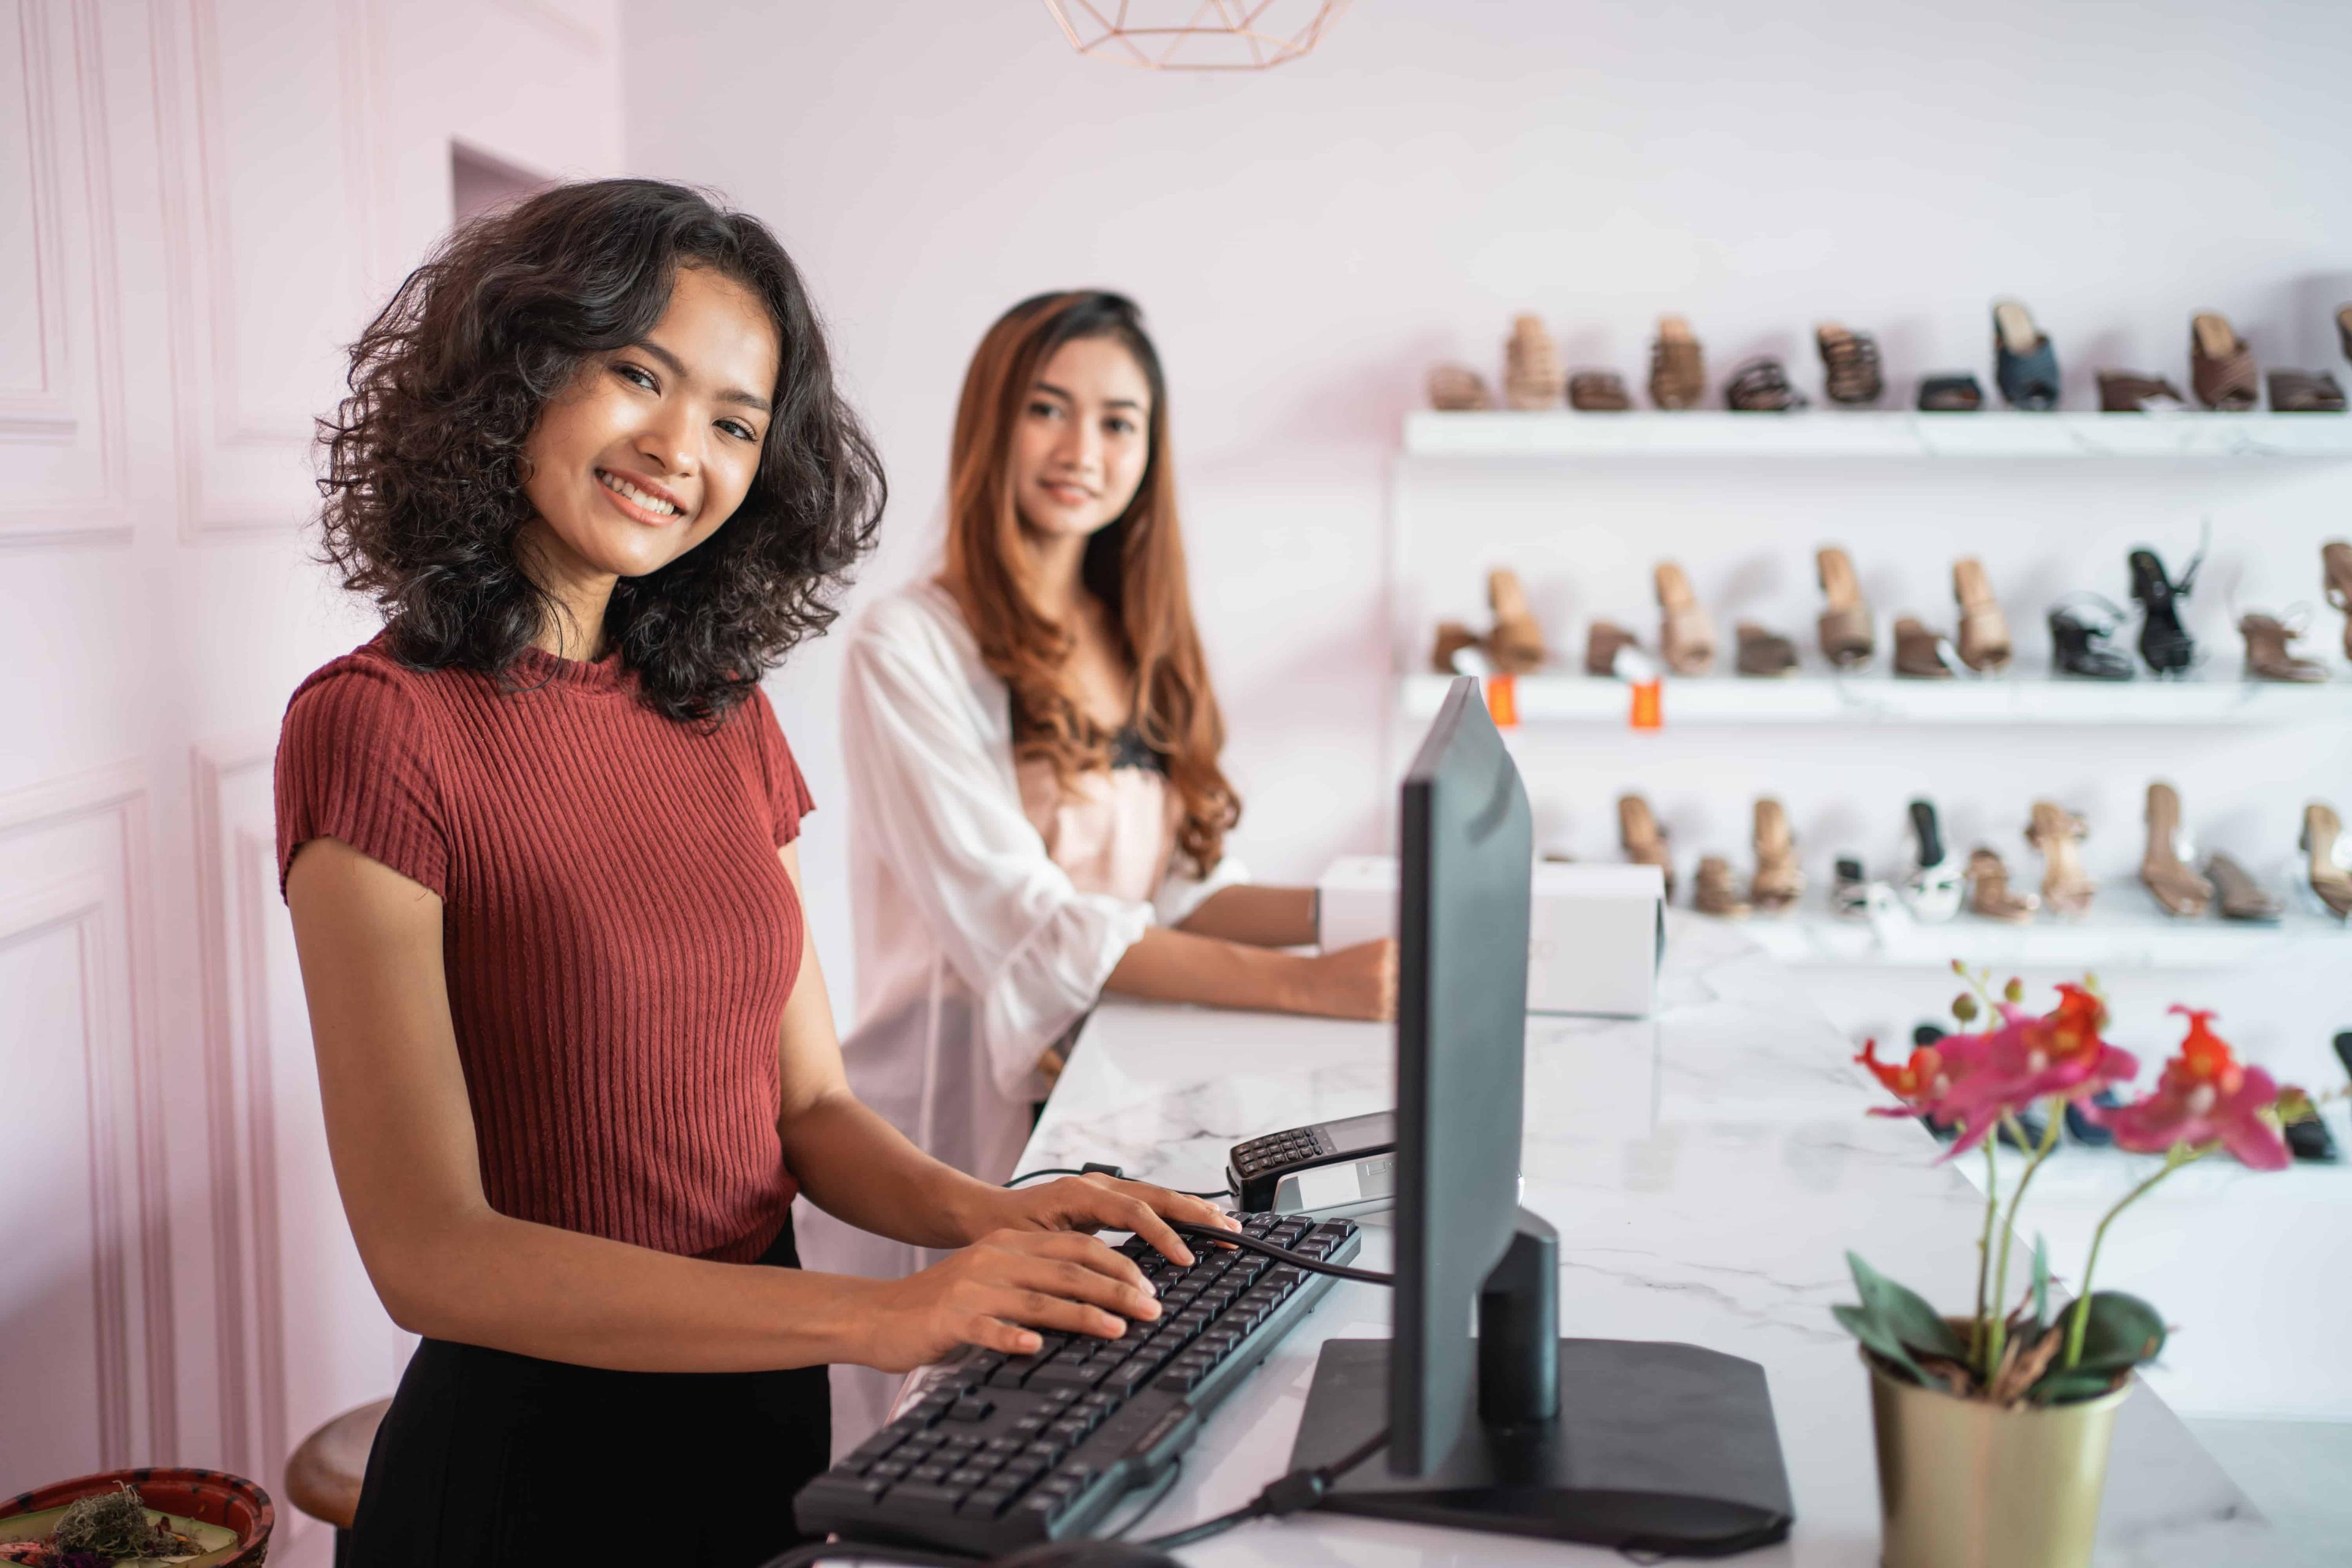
pixel 1666 1448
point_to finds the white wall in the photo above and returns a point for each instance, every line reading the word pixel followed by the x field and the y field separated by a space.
pixel 1308 240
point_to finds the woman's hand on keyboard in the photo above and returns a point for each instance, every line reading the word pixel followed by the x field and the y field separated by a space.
pixel 999 1290
pixel 1098 1202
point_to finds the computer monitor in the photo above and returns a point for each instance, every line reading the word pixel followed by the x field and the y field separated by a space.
pixel 1668 1448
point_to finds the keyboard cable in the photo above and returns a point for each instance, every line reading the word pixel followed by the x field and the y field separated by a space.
pixel 1293 1493
pixel 1113 1171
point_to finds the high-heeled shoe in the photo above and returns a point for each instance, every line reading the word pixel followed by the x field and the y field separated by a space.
pixel 1531 372
pixel 1515 645
pixel 1603 641
pixel 1984 630
pixel 2241 898
pixel 2058 834
pixel 1677 369
pixel 1853 895
pixel 1850 373
pixel 2221 366
pixel 1846 635
pixel 1644 840
pixel 2085 1132
pixel 2336 580
pixel 1458 389
pixel 2079 625
pixel 2178 888
pixel 2164 642
pixel 1921 654
pixel 1453 639
pixel 2310 1142
pixel 2268 656
pixel 1686 635
pixel 1714 892
pixel 1761 386
pixel 1933 889
pixel 1989 894
pixel 1763 652
pixel 2322 842
pixel 2024 364
pixel 1777 883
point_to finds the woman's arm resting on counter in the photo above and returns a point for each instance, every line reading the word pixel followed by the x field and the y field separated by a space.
pixel 1181 965
pixel 401 1133
pixel 1255 916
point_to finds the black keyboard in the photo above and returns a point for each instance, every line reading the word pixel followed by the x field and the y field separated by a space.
pixel 1007 1451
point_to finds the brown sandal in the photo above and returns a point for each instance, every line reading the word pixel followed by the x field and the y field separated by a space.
pixel 2305 392
pixel 1686 635
pixel 1531 377
pixel 2268 657
pixel 1453 637
pixel 2242 897
pixel 1517 644
pixel 1921 654
pixel 2177 888
pixel 1984 630
pixel 1677 369
pixel 1776 883
pixel 1603 641
pixel 1713 892
pixel 1458 389
pixel 2057 833
pixel 2331 883
pixel 1763 652
pixel 1850 373
pixel 1846 635
pixel 2221 368
pixel 2336 578
pixel 1599 392
pixel 1761 386
pixel 1644 841
pixel 2129 392
pixel 1989 894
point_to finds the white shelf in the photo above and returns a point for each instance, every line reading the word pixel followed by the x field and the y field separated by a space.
pixel 2123 929
pixel 1841 433
pixel 1881 698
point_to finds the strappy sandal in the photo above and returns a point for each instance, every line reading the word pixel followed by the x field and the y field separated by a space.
pixel 2336 576
pixel 1685 634
pixel 2080 626
pixel 1984 630
pixel 1950 394
pixel 1921 654
pixel 1453 639
pixel 2057 833
pixel 2129 392
pixel 2269 656
pixel 1457 388
pixel 2305 392
pixel 1644 840
pixel 1677 369
pixel 1598 392
pixel 1517 644
pixel 1763 652
pixel 2168 877
pixel 1847 637
pixel 1849 365
pixel 1989 894
pixel 2024 363
pixel 2241 898
pixel 1715 893
pixel 1603 641
pixel 2221 366
pixel 1777 883
pixel 1531 377
pixel 1761 386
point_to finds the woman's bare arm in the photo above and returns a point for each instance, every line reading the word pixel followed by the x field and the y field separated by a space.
pixel 1257 917
pixel 1178 964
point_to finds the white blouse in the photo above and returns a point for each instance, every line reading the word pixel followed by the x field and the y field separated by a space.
pixel 977 950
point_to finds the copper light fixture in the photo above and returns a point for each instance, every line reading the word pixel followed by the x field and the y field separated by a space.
pixel 1196 34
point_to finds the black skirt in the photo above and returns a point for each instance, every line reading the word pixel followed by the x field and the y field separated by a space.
pixel 487 1457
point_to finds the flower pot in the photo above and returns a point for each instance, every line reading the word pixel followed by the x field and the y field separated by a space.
pixel 1965 1484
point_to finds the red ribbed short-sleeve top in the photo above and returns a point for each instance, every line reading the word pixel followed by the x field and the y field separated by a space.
pixel 618 936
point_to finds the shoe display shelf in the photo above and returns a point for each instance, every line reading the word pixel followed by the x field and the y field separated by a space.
pixel 2123 931
pixel 1839 433
pixel 1883 699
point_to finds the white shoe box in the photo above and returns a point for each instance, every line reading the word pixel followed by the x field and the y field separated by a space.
pixel 1595 933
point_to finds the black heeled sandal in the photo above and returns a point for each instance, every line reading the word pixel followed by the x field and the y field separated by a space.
pixel 2080 626
pixel 2164 642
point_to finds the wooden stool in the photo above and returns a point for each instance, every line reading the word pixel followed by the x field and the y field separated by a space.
pixel 322 1478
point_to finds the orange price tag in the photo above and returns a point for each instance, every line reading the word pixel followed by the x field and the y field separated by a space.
pixel 1649 707
pixel 1502 700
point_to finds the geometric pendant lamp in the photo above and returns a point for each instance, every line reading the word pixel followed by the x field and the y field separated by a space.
pixel 1196 34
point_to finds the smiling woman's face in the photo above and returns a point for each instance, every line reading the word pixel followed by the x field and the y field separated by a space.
pixel 653 447
pixel 1083 439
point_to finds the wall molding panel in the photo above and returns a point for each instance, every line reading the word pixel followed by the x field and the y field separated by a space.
pixel 64 468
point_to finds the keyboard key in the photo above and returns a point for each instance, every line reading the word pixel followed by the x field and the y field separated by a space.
pixel 966 1479
pixel 1065 1373
pixel 986 1503
pixel 919 1497
pixel 888 1471
pixel 928 1475
pixel 970 1408
pixel 838 1493
pixel 877 1445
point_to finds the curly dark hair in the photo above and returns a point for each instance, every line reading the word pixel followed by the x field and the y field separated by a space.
pixel 424 475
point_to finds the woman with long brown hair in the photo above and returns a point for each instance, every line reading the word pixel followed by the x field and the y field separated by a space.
pixel 1039 812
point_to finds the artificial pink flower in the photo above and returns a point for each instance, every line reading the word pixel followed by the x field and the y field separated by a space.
pixel 1922 1082
pixel 1972 1081
pixel 2205 1095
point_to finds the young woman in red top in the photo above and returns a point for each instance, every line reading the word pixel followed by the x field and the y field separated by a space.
pixel 537 839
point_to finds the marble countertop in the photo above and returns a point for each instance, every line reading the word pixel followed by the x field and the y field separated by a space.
pixel 1706 1168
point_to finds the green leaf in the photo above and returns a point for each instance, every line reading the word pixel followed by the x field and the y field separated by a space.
pixel 2041 1280
pixel 1876 1339
pixel 1904 1313
pixel 2067 1387
pixel 2123 1331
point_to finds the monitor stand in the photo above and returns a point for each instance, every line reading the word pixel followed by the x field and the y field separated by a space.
pixel 1666 1448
